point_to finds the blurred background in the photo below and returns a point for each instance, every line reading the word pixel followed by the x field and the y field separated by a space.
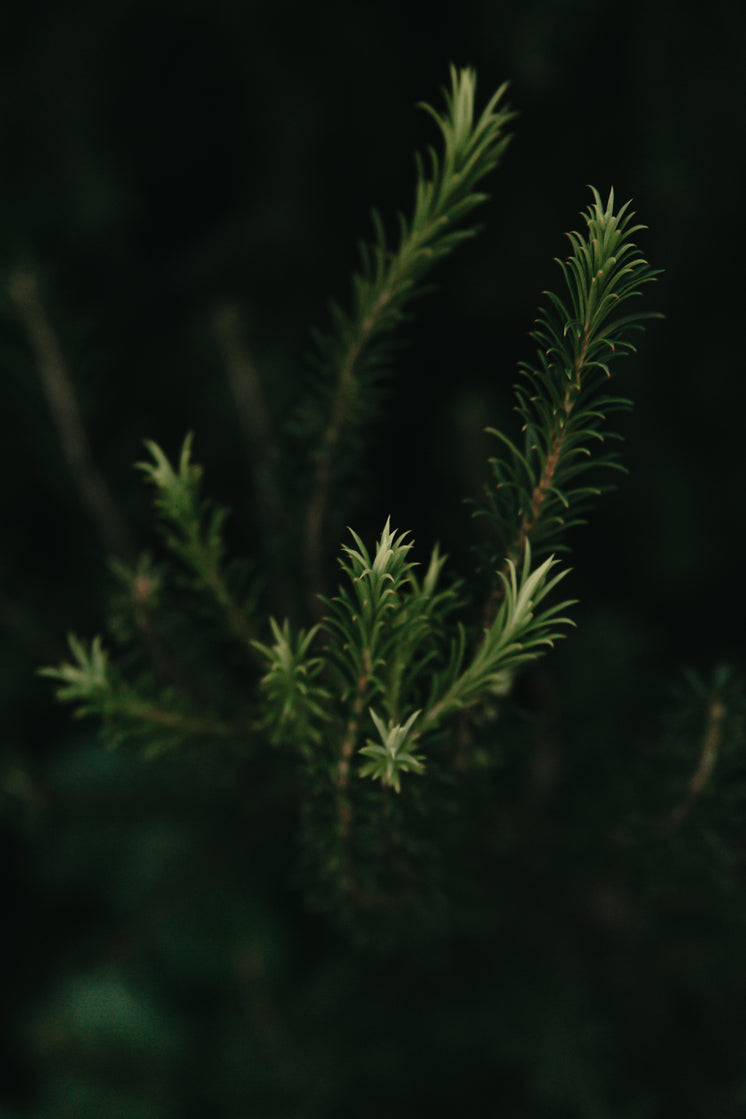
pixel 164 161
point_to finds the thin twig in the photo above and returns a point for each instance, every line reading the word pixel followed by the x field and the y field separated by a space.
pixel 528 523
pixel 316 512
pixel 142 587
pixel 531 515
pixel 66 414
pixel 708 756
pixel 174 720
pixel 235 617
pixel 253 416
pixel 347 748
pixel 711 741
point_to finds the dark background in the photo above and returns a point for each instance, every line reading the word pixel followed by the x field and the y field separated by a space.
pixel 161 158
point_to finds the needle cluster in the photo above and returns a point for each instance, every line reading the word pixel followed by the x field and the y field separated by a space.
pixel 391 693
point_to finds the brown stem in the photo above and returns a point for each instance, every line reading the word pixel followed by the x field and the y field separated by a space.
pixel 530 517
pixel 541 489
pixel 348 748
pixel 63 404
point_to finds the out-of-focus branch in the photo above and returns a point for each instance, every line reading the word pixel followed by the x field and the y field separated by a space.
pixel 708 754
pixel 256 423
pixel 707 758
pixel 63 404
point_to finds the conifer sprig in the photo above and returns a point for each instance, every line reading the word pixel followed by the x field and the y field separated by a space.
pixel 389 758
pixel 384 624
pixel 387 634
pixel 296 705
pixel 193 532
pixel 367 699
pixel 164 723
pixel 539 487
pixel 519 633
pixel 385 630
pixel 355 353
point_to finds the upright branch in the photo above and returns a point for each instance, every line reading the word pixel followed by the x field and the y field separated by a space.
pixel 539 488
pixel 710 747
pixel 66 414
pixel 193 531
pixel 256 423
pixel 363 624
pixel 706 721
pixel 355 354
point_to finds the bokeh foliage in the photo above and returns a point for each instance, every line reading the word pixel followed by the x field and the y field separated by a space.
pixel 163 163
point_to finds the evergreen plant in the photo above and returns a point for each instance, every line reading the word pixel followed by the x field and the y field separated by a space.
pixel 391 696
pixel 386 706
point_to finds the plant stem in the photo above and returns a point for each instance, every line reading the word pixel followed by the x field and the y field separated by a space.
pixel 348 746
pixel 65 409
pixel 254 418
pixel 316 512
pixel 708 756
pixel 532 515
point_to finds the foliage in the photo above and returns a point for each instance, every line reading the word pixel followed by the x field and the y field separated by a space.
pixel 392 722
pixel 539 489
pixel 352 357
pixel 403 679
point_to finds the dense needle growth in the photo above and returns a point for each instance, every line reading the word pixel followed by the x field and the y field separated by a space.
pixel 392 696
